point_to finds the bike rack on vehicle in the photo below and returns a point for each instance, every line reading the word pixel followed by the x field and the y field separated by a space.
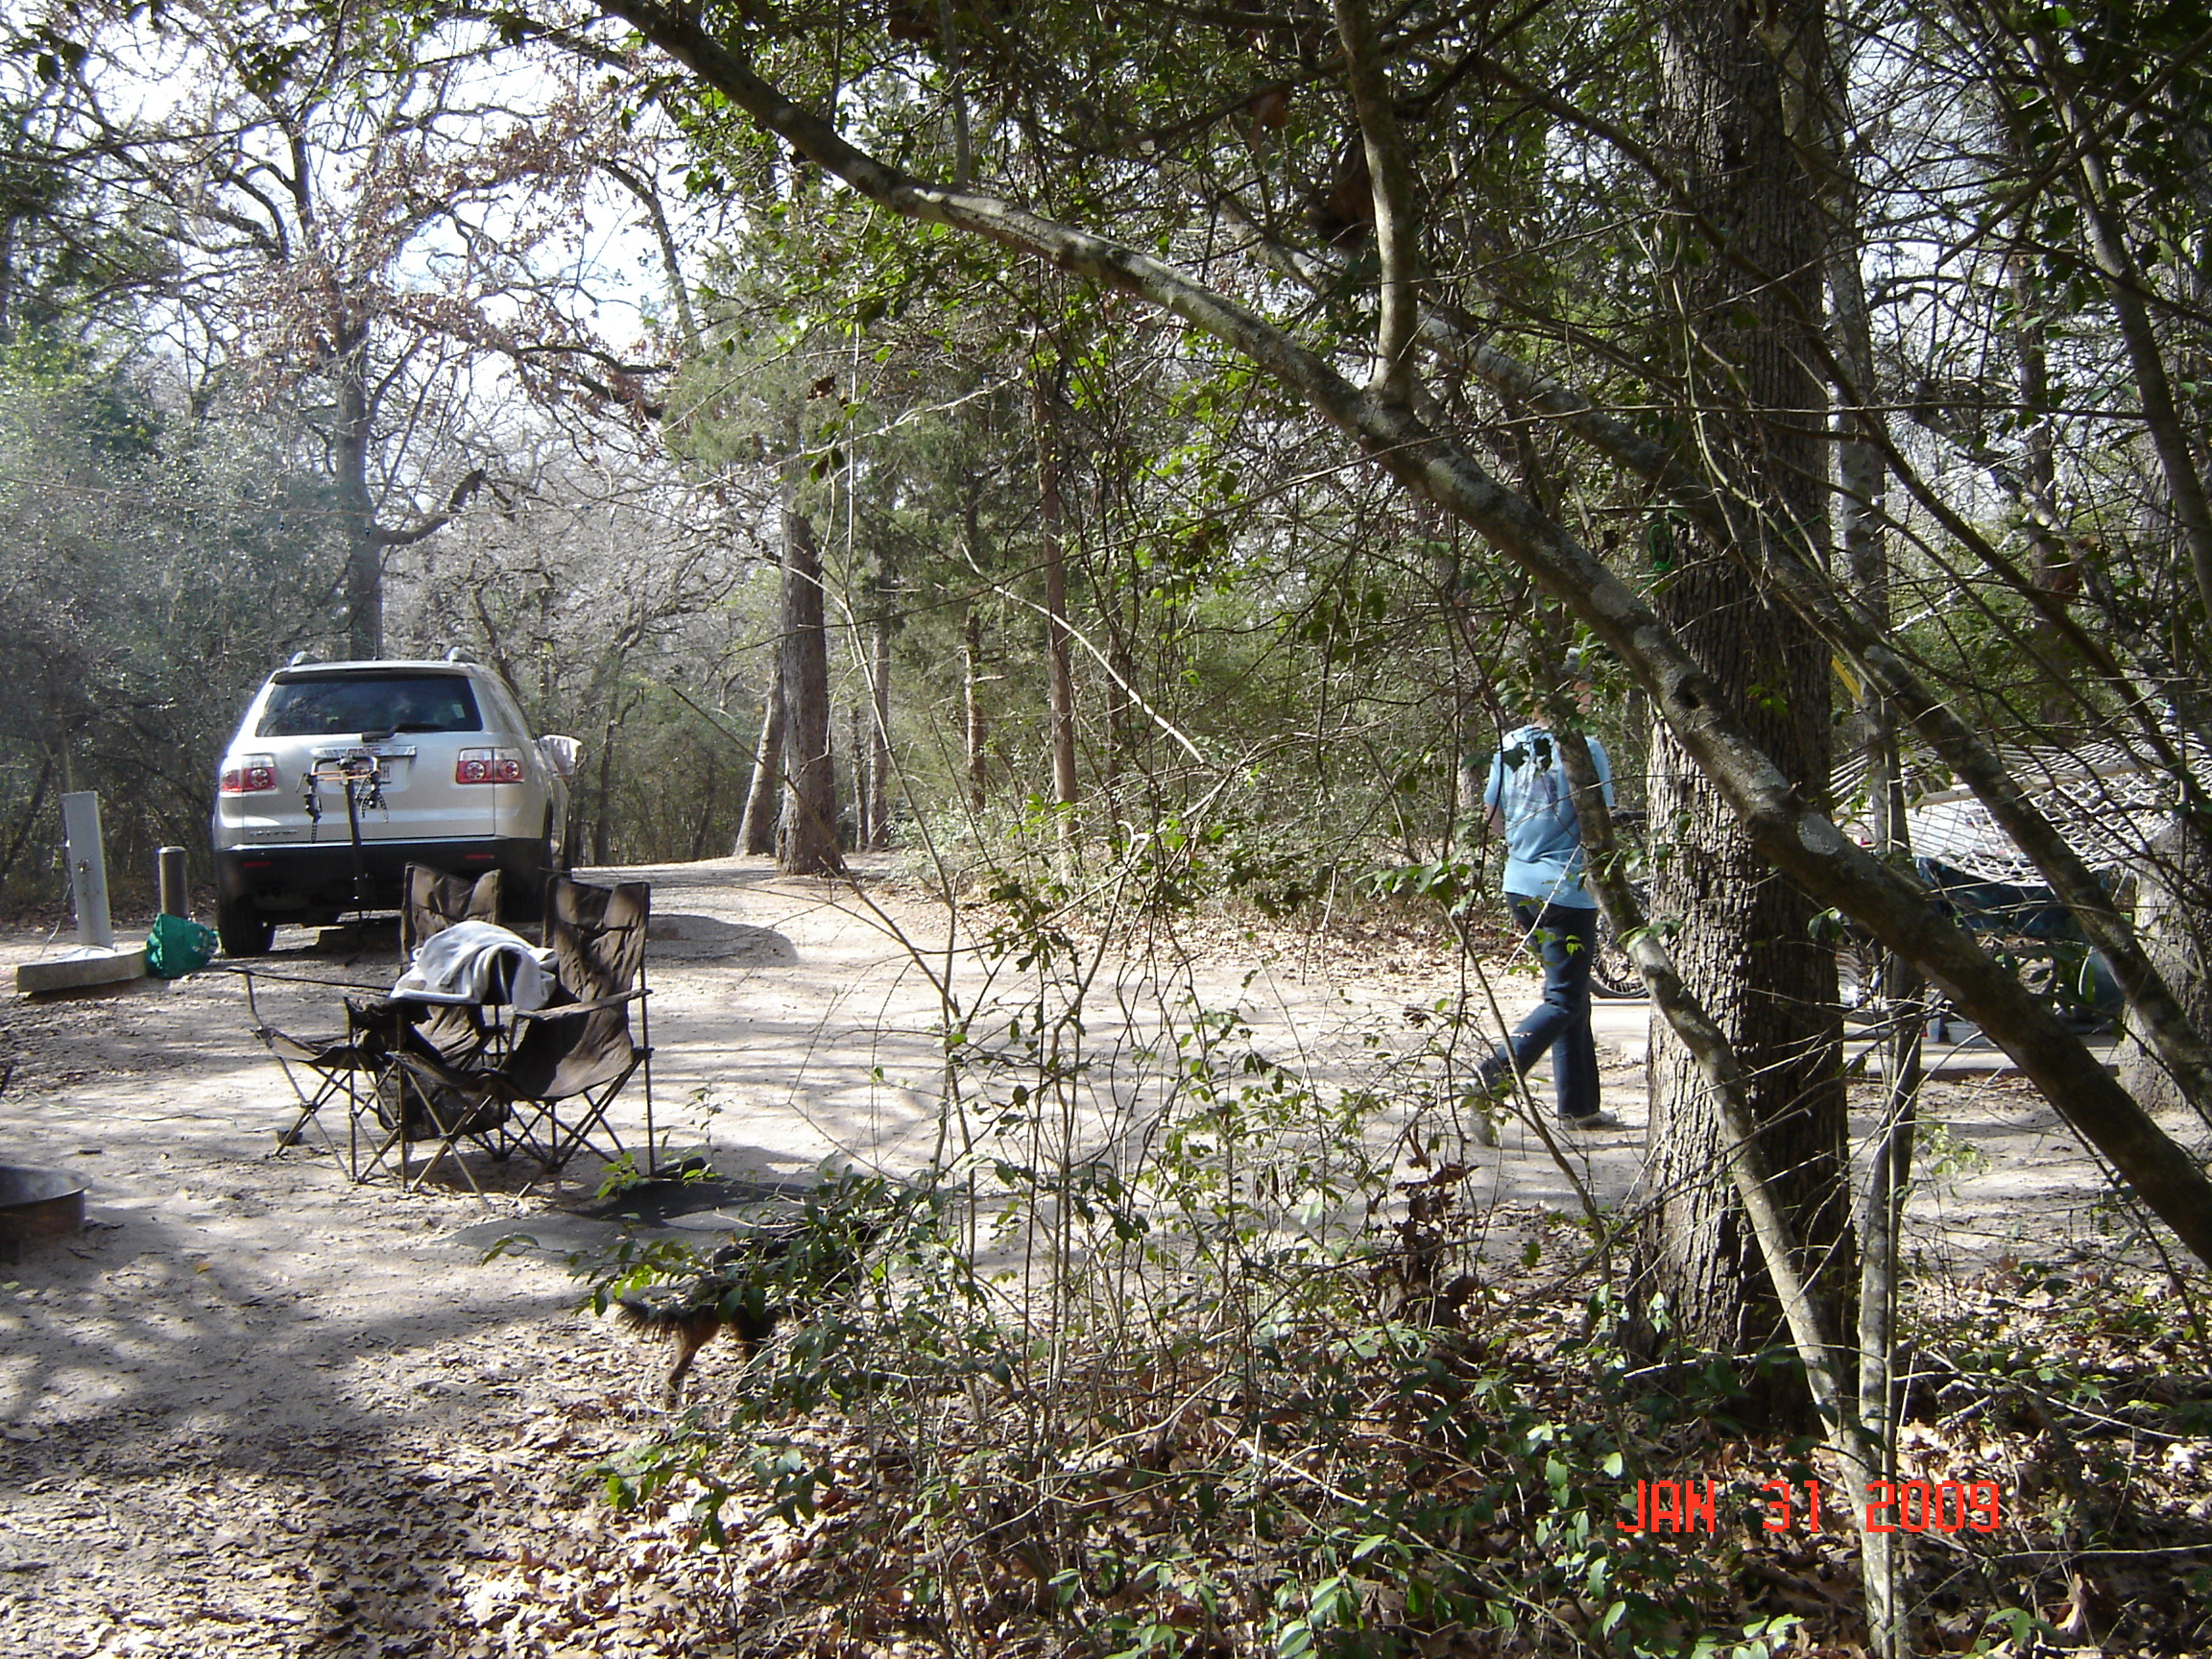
pixel 361 771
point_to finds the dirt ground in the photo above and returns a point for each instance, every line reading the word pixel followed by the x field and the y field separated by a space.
pixel 254 1408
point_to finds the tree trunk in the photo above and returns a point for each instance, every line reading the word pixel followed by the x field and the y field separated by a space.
pixel 1044 401
pixel 710 786
pixel 1795 834
pixel 1893 990
pixel 30 817
pixel 1747 948
pixel 1116 580
pixel 357 512
pixel 603 807
pixel 806 833
pixel 2174 914
pixel 857 747
pixel 978 728
pixel 2049 562
pixel 756 829
pixel 877 827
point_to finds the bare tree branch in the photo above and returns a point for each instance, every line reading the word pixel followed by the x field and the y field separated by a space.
pixel 1799 840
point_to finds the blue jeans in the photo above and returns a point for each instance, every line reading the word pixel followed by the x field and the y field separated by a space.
pixel 1566 937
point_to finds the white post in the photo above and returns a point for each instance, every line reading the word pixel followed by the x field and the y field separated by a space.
pixel 87 870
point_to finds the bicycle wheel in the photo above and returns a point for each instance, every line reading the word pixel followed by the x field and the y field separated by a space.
pixel 1613 976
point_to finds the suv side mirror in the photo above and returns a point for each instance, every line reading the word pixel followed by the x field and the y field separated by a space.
pixel 562 753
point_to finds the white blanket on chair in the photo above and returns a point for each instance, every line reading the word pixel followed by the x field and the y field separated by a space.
pixel 478 962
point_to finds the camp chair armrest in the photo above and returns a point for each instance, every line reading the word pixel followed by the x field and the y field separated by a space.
pixel 286 1047
pixel 562 1010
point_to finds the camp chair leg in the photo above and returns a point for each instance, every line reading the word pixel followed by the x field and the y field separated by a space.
pixel 446 1143
pixel 294 1132
pixel 387 1142
pixel 461 1113
pixel 564 1141
pixel 645 1063
pixel 372 1144
pixel 330 1083
pixel 317 1071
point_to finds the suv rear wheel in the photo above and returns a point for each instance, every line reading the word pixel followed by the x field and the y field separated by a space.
pixel 240 926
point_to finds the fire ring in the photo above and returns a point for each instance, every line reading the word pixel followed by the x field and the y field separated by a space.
pixel 37 1204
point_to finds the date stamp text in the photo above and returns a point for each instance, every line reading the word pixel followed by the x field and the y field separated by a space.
pixel 1794 1505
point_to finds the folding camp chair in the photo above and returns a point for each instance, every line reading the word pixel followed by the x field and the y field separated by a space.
pixel 358 1064
pixel 406 1109
pixel 320 1069
pixel 432 901
pixel 570 1059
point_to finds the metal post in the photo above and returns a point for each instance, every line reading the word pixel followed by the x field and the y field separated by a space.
pixel 88 869
pixel 169 867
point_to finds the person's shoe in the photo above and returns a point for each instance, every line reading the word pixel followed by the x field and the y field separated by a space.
pixel 1486 1100
pixel 1494 1084
pixel 1595 1120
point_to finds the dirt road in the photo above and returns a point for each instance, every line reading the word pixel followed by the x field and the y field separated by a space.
pixel 256 1409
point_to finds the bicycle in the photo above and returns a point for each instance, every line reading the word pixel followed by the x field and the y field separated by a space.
pixel 1614 976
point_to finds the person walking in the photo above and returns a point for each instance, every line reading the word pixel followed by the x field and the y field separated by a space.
pixel 1530 798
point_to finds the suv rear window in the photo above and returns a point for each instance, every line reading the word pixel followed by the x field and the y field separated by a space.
pixel 335 707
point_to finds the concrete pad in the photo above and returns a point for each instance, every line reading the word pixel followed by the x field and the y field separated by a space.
pixel 83 969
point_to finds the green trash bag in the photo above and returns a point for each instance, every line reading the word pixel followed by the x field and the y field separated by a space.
pixel 175 946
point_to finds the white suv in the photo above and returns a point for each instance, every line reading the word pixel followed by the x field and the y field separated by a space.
pixel 342 773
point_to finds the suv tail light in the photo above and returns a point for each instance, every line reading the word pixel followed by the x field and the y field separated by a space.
pixel 249 775
pixel 488 766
